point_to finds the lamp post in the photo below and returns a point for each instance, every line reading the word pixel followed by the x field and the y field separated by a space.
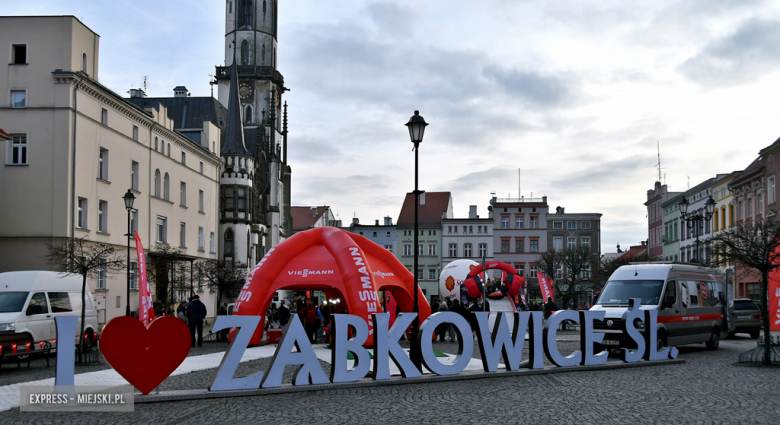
pixel 129 199
pixel 695 221
pixel 416 127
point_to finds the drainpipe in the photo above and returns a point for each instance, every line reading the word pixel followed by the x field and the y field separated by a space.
pixel 73 179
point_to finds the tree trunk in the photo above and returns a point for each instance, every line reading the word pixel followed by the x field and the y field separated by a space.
pixel 83 314
pixel 765 316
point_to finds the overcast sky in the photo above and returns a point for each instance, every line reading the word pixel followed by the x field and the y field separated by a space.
pixel 574 93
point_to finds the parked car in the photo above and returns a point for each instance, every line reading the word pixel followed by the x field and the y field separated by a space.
pixel 748 317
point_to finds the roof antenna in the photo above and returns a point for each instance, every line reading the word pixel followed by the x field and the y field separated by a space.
pixel 144 83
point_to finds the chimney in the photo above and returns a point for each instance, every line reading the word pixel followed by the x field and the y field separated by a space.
pixel 544 199
pixel 473 211
pixel 376 222
pixel 313 211
pixel 137 93
pixel 388 221
pixel 355 221
pixel 180 91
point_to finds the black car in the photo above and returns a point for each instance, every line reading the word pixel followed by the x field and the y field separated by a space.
pixel 748 317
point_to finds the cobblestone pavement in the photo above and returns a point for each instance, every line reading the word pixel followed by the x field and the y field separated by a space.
pixel 709 388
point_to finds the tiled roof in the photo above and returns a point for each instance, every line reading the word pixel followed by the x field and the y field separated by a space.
pixel 302 216
pixel 187 112
pixel 755 167
pixel 634 251
pixel 430 214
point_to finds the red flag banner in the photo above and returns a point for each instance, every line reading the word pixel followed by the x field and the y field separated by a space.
pixel 774 301
pixel 145 307
pixel 545 284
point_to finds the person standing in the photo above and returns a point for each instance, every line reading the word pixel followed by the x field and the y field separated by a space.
pixel 181 312
pixel 284 315
pixel 549 308
pixel 196 312
pixel 308 315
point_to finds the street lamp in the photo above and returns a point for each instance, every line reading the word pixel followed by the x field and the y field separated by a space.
pixel 129 199
pixel 696 221
pixel 416 127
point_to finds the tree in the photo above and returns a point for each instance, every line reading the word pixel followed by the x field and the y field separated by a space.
pixel 161 260
pixel 752 247
pixel 608 266
pixel 225 277
pixel 87 258
pixel 569 266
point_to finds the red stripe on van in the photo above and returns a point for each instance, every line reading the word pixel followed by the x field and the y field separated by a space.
pixel 690 318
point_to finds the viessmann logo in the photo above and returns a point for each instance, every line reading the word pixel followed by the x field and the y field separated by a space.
pixel 307 272
pixel 383 274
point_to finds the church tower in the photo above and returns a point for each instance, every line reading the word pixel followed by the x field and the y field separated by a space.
pixel 251 51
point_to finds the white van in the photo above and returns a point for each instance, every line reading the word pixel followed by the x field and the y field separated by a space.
pixel 694 304
pixel 31 300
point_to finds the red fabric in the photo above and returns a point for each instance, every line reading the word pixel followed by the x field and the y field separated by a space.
pixel 145 307
pixel 545 284
pixel 774 300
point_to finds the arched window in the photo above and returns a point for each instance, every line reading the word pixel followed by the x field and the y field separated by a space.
pixel 248 114
pixel 723 217
pixel 229 242
pixel 84 62
pixel 244 52
pixel 715 221
pixel 166 187
pixel 245 12
pixel 169 149
pixel 156 147
pixel 731 215
pixel 157 183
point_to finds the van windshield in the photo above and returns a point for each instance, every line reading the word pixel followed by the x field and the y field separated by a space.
pixel 12 302
pixel 620 291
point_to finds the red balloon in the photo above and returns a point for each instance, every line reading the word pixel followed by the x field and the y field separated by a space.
pixel 145 357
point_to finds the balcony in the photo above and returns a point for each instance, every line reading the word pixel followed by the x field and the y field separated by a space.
pixel 251 71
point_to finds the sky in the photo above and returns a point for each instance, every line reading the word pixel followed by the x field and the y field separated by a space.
pixel 577 95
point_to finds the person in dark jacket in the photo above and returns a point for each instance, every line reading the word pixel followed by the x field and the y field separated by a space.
pixel 549 308
pixel 284 316
pixel 196 312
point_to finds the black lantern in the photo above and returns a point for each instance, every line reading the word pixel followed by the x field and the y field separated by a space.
pixel 416 126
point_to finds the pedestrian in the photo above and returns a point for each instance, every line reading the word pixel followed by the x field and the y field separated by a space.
pixel 284 315
pixel 441 330
pixel 549 308
pixel 181 312
pixel 521 305
pixel 309 315
pixel 196 312
pixel 456 308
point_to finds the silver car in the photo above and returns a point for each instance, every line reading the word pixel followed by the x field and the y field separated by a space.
pixel 748 317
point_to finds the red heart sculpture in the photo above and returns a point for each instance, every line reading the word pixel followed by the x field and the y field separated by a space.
pixel 145 357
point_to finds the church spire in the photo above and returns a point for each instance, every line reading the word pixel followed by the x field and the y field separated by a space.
pixel 233 138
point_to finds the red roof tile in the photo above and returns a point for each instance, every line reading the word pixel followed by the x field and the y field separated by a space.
pixel 634 251
pixel 430 214
pixel 302 216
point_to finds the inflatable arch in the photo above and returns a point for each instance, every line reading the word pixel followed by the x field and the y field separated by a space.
pixel 341 264
pixel 512 280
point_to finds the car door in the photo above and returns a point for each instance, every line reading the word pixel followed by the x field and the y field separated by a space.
pixel 670 313
pixel 39 319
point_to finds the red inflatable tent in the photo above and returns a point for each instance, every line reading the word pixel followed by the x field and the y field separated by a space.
pixel 342 264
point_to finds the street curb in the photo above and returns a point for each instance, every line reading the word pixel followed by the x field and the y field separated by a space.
pixel 183 395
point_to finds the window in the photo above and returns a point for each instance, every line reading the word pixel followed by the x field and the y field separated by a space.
pixel 183 194
pixel 102 216
pixel 518 222
pixel 101 276
pixel 558 243
pixel 505 222
pixel 166 187
pixel 467 250
pixel 81 213
pixel 389 248
pixel 505 245
pixel 229 242
pixel 241 201
pixel 201 242
pixel 388 234
pixel 407 249
pixel 534 222
pixel 571 225
pixel 420 249
pixel 200 201
pixel 133 220
pixel 449 229
pixel 18 99
pixel 420 274
pixel 244 52
pixel 211 243
pixel 559 270
pixel 157 183
pixel 134 175
pixel 156 147
pixel 770 183
pixel 431 274
pixel 162 229
pixel 431 249
pixel 229 199
pixel 519 244
pixel 135 133
pixel 248 114
pixel 134 275
pixel 585 242
pixel 201 167
pixel 184 158
pixel 453 250
pixel 534 245
pixel 169 150
pixel 456 229
pixel 572 243
pixel 183 234
pixel 483 250
pixel 479 229
pixel 471 229
pixel 760 208
pixel 532 271
pixel 585 225
pixel 17 154
pixel 104 116
pixel 557 225
pixel 103 164
pixel 84 62
pixel 19 54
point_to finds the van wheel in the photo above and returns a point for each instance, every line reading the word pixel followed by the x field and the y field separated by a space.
pixel 661 341
pixel 89 340
pixel 714 341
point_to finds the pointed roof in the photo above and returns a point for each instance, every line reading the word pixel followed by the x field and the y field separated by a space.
pixel 233 136
pixel 430 213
